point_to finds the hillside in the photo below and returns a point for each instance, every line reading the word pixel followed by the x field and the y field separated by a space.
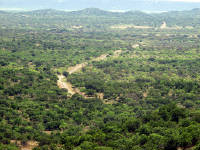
pixel 99 80
pixel 96 17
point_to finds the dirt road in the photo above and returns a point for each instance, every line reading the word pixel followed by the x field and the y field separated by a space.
pixel 64 84
pixel 76 68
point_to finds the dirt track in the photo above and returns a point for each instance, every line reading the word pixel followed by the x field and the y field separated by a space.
pixel 62 80
pixel 76 68
pixel 65 85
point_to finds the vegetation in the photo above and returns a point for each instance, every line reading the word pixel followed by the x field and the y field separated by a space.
pixel 150 90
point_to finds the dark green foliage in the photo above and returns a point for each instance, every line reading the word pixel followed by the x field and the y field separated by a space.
pixel 150 92
pixel 65 74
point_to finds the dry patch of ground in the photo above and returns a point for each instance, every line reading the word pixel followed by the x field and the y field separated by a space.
pixel 125 26
pixel 145 94
pixel 37 44
pixel 76 68
pixel 100 95
pixel 77 27
pixel 189 27
pixel 135 45
pixel 187 148
pixel 65 85
pixel 163 26
pixel 28 146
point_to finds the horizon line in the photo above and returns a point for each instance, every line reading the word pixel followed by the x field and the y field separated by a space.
pixel 70 10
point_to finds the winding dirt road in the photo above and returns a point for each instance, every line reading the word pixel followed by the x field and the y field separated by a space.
pixel 64 84
pixel 76 68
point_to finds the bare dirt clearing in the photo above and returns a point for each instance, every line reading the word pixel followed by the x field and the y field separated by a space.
pixel 163 26
pixel 77 27
pixel 29 145
pixel 135 45
pixel 125 26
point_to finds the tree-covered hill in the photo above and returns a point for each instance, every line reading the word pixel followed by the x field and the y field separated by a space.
pixel 96 17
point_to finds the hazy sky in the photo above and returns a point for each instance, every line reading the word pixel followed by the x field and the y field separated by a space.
pixel 145 5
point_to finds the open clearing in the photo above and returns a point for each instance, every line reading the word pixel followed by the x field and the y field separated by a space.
pixel 28 146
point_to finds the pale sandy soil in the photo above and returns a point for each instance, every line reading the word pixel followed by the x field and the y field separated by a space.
pixel 188 148
pixel 29 145
pixel 135 45
pixel 189 27
pixel 145 94
pixel 129 26
pixel 37 44
pixel 77 27
pixel 65 85
pixel 76 68
pixel 163 26
pixel 100 95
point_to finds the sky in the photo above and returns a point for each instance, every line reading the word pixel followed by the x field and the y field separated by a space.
pixel 143 5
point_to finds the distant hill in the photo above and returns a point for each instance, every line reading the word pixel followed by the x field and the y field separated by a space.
pixel 44 12
pixel 181 18
pixel 96 17
pixel 92 11
pixel 3 12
